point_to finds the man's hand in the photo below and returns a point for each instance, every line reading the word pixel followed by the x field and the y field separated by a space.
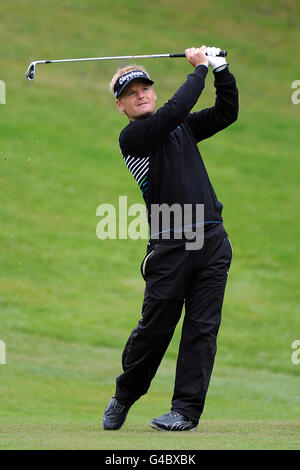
pixel 216 63
pixel 196 56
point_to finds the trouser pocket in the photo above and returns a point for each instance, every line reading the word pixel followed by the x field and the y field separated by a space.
pixel 230 246
pixel 144 263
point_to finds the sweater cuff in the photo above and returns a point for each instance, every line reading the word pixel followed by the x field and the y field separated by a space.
pixel 202 65
pixel 201 70
pixel 220 74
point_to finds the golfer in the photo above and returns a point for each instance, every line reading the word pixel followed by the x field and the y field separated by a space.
pixel 160 150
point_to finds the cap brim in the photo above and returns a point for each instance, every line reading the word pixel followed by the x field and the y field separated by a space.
pixel 120 91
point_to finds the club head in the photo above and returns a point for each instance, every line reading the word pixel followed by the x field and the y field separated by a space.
pixel 30 73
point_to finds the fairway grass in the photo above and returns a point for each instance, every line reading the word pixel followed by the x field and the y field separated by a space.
pixel 55 393
pixel 211 435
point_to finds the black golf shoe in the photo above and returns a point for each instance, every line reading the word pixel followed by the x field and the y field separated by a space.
pixel 114 415
pixel 173 421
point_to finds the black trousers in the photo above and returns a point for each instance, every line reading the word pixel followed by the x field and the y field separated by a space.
pixel 176 276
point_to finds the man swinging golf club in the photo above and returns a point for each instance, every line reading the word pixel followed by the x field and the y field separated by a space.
pixel 160 150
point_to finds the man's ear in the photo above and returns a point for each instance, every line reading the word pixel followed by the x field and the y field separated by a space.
pixel 120 106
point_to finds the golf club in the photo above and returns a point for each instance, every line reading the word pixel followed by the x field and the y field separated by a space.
pixel 31 71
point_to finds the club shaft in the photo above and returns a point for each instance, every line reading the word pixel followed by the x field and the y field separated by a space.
pixel 127 57
pixel 30 73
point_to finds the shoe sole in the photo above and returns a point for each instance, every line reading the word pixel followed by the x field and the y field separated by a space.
pixel 158 428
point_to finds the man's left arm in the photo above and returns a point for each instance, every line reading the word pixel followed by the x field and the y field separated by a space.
pixel 207 122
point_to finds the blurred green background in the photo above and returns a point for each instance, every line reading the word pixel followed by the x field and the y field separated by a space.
pixel 68 300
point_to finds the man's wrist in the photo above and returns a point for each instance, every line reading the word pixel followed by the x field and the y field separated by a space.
pixel 202 64
pixel 221 67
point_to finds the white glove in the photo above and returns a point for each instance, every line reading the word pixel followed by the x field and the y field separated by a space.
pixel 215 62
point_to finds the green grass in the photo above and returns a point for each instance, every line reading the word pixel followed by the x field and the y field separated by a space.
pixel 68 301
pixel 233 435
pixel 55 393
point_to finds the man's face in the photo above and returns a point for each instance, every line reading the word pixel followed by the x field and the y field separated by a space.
pixel 137 100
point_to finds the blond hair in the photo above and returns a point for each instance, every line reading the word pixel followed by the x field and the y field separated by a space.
pixel 121 71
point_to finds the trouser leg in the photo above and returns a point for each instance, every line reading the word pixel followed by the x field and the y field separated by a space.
pixel 146 347
pixel 198 343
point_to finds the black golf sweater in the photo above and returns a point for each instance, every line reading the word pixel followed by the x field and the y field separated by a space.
pixel 161 151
